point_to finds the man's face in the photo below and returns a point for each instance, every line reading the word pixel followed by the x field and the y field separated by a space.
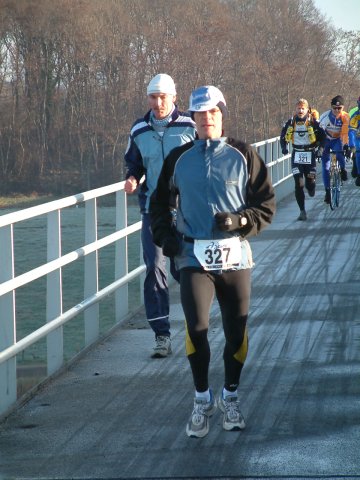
pixel 337 110
pixel 301 110
pixel 161 104
pixel 209 123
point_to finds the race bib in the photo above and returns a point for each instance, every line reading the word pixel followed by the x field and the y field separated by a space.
pixel 218 254
pixel 303 158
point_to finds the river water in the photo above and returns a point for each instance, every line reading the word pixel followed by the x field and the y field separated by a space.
pixel 30 239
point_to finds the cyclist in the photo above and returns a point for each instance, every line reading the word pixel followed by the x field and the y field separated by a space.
pixel 353 110
pixel 335 122
pixel 304 133
pixel 354 142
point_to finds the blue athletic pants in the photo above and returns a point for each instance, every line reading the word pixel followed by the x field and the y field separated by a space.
pixel 335 145
pixel 156 292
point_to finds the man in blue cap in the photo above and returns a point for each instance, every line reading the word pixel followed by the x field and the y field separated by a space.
pixel 224 195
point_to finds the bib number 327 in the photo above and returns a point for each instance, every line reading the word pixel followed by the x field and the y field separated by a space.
pixel 218 254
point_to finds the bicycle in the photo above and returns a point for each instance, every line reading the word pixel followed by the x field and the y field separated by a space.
pixel 335 181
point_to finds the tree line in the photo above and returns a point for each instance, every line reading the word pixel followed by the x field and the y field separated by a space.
pixel 73 76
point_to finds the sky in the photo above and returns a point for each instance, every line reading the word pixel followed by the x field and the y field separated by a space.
pixel 345 14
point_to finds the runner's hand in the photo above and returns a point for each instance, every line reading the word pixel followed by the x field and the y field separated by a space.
pixel 130 185
pixel 227 221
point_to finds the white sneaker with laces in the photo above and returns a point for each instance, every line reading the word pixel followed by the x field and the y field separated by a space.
pixel 198 424
pixel 162 347
pixel 233 418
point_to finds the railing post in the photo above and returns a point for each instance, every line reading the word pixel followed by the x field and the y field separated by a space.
pixel 8 380
pixel 55 339
pixel 91 280
pixel 121 257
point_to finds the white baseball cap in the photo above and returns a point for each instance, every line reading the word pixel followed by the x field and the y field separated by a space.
pixel 161 83
pixel 205 98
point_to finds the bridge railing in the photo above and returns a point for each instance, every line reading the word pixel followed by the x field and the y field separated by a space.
pixel 52 270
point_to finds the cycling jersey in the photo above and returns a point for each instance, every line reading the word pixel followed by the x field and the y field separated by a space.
pixel 354 127
pixel 335 127
pixel 303 133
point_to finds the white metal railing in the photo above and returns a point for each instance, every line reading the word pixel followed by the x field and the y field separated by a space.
pixel 279 168
pixel 278 165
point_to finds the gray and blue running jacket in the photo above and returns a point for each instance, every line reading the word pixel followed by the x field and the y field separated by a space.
pixel 146 150
pixel 210 176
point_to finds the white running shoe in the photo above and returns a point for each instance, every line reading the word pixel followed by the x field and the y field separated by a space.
pixel 198 424
pixel 233 418
pixel 162 347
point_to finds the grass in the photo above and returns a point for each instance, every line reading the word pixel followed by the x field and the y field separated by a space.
pixel 20 201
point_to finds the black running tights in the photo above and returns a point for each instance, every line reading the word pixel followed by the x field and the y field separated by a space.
pixel 232 289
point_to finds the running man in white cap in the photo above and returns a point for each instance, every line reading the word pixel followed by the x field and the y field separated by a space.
pixel 151 139
pixel 224 196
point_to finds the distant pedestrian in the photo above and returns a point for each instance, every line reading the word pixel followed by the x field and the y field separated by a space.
pixel 224 196
pixel 307 138
pixel 151 139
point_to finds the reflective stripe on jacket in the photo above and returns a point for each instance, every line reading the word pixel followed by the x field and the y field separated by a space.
pixel 146 150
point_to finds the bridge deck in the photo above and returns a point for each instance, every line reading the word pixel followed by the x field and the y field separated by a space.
pixel 116 413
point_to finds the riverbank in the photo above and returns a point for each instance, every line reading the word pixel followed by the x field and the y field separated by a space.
pixel 19 201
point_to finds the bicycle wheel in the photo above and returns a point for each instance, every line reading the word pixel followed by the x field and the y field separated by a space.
pixel 334 189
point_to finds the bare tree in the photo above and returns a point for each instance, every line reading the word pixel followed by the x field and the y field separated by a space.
pixel 73 75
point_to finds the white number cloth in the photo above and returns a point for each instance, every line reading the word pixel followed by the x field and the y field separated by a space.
pixel 218 254
pixel 303 158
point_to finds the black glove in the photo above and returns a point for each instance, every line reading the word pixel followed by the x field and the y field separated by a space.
pixel 319 152
pixel 170 246
pixel 227 221
pixel 285 151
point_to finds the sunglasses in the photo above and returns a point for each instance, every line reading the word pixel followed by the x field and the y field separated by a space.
pixel 336 108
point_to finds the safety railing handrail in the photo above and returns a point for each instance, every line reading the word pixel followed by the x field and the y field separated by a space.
pixel 49 267
pixel 27 213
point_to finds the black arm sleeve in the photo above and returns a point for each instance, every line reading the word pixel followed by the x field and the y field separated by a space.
pixel 162 199
pixel 283 142
pixel 320 134
pixel 261 205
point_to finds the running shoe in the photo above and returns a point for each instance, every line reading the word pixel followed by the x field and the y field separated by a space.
pixel 354 172
pixel 162 347
pixel 327 195
pixel 198 424
pixel 302 215
pixel 233 418
pixel 343 175
pixel 357 181
pixel 311 192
